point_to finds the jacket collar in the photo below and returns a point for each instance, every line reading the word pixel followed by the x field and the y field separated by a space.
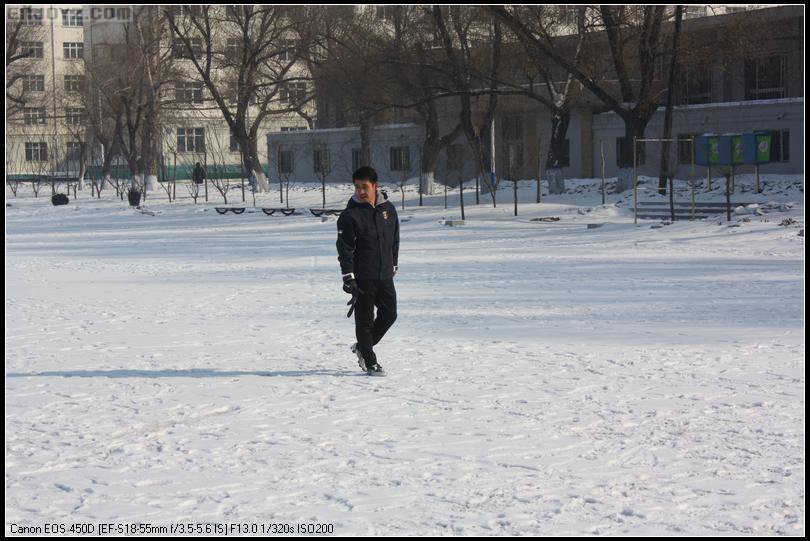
pixel 382 197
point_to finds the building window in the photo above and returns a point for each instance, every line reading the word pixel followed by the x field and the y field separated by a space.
pixel 181 51
pixel 190 139
pixel 74 116
pixel 386 13
pixel 195 10
pixel 31 16
pixel 74 151
pixel 455 157
pixel 293 128
pixel 295 93
pixel 73 51
pixel 320 160
pixel 514 161
pixel 33 116
pixel 685 142
pixel 31 49
pixel 288 52
pixel 512 128
pixel 357 156
pixel 36 152
pixel 233 48
pixel 568 15
pixel 286 164
pixel 72 17
pixel 234 93
pixel 188 92
pixel 400 159
pixel 74 83
pixel 765 78
pixel 692 12
pixel 695 85
pixel 566 157
pixel 780 145
pixel 34 83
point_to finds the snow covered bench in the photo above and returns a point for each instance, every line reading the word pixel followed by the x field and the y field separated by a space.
pixel 285 212
pixel 325 212
pixel 235 210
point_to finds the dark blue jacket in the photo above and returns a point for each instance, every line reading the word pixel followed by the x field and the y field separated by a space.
pixel 368 239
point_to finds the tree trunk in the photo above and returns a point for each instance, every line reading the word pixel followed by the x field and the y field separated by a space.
pixel 664 171
pixel 261 178
pixel 365 142
pixel 250 158
pixel 431 149
pixel 559 131
pixel 556 151
pixel 633 129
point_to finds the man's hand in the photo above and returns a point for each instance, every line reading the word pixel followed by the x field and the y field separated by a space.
pixel 350 285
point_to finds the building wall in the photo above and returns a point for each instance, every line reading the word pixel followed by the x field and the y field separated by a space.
pixel 100 30
pixel 206 115
pixel 719 118
pixel 340 143
pixel 54 99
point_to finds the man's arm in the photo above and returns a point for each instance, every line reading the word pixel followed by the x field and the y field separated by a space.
pixel 346 244
pixel 395 248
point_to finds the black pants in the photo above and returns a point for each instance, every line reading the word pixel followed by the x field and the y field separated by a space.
pixel 379 293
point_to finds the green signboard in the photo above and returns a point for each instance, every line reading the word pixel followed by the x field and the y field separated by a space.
pixel 737 150
pixel 763 148
pixel 714 151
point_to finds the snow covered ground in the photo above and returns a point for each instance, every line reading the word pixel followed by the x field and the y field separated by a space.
pixel 544 378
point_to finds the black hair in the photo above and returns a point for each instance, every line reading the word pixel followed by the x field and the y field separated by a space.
pixel 365 173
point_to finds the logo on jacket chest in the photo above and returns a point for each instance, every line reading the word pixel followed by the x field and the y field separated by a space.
pixel 385 214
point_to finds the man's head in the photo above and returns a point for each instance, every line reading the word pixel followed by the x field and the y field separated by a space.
pixel 365 184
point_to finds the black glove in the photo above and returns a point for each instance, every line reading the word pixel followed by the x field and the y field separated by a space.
pixel 350 285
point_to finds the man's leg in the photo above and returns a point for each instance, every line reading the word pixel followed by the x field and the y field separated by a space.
pixel 386 302
pixel 364 319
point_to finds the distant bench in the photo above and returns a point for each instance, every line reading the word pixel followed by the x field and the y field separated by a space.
pixel 268 211
pixel 326 212
pixel 284 211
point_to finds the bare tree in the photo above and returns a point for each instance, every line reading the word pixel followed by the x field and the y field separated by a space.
pixel 124 96
pixel 101 98
pixel 563 28
pixel 664 172
pixel 634 44
pixel 348 69
pixel 248 45
pixel 459 30
pixel 420 80
pixel 24 43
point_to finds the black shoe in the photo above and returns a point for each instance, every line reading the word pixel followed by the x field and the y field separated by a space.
pixel 375 370
pixel 371 367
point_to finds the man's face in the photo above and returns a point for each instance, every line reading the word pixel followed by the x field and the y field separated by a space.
pixel 365 190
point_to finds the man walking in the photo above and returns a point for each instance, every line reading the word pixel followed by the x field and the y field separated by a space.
pixel 199 174
pixel 368 249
